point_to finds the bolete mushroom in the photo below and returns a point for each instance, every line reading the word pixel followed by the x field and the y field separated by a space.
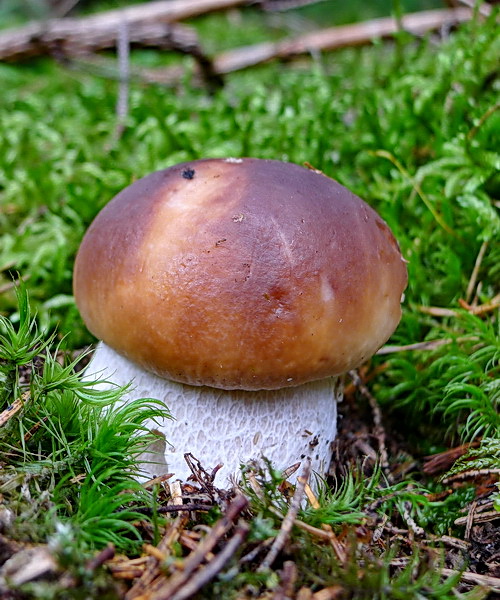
pixel 238 290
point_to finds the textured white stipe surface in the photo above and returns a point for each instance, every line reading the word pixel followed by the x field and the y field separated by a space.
pixel 231 426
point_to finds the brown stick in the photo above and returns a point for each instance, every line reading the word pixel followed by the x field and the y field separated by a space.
pixel 485 580
pixel 14 408
pixel 338 548
pixel 152 567
pixel 491 515
pixel 437 311
pixel 358 34
pixel 484 8
pixel 468 474
pixel 170 589
pixel 378 430
pixel 437 463
pixel 73 40
pixel 288 521
pixel 334 38
pixel 475 272
pixel 149 24
pixel 203 576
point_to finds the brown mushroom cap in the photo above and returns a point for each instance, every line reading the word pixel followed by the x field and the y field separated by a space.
pixel 240 274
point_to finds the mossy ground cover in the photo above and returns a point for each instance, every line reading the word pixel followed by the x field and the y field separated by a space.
pixel 410 126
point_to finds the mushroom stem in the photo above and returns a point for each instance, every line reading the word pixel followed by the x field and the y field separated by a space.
pixel 231 427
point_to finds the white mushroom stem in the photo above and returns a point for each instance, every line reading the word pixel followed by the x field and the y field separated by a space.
pixel 231 427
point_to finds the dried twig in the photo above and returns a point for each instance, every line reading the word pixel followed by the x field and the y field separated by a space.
pixel 36 427
pixel 203 576
pixel 483 7
pixel 379 430
pixel 448 541
pixel 338 548
pixel 473 473
pixel 172 588
pixel 430 345
pixel 485 580
pixel 102 66
pixel 288 521
pixel 125 569
pixel 334 38
pixel 321 534
pixel 95 32
pixel 172 508
pixel 475 517
pixel 14 408
pixel 475 272
pixel 410 521
pixel 469 520
pixel 437 311
pixel 493 583
pixel 493 304
pixel 152 566
pixel 157 480
pixel 437 463
pixel 101 557
pixel 175 493
pixel 202 476
pixel 282 5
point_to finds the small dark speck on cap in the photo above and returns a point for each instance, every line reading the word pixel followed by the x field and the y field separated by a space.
pixel 188 173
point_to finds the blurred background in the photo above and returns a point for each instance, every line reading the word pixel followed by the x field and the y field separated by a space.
pixel 326 12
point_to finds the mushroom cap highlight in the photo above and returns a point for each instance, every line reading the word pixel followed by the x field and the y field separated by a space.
pixel 240 274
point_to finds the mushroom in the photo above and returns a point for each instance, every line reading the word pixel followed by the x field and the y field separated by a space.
pixel 238 291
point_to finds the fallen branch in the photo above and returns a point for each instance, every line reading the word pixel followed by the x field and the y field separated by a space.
pixel 12 284
pixel 334 38
pixel 475 578
pixel 475 272
pixel 438 463
pixel 70 38
pixel 150 24
pixel 188 575
pixel 483 7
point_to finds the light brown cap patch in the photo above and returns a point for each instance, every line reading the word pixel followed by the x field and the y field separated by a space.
pixel 240 274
